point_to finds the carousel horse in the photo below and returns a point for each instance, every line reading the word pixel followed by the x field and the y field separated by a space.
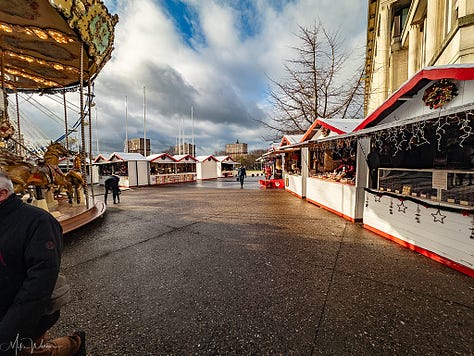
pixel 22 174
pixel 49 167
pixel 74 176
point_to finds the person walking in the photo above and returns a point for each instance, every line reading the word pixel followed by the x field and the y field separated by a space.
pixel 241 173
pixel 112 184
pixel 31 293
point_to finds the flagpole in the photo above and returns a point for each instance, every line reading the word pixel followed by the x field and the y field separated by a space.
pixel 126 123
pixel 144 122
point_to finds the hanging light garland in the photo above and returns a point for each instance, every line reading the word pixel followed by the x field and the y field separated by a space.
pixel 440 129
pixel 417 214
pixel 465 127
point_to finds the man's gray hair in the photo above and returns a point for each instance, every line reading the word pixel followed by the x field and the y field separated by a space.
pixel 6 182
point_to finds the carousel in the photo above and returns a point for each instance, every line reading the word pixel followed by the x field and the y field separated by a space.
pixel 55 49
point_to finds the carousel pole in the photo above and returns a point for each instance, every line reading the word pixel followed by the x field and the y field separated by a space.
pixel 89 93
pixel 18 145
pixel 4 113
pixel 66 127
pixel 5 99
pixel 83 138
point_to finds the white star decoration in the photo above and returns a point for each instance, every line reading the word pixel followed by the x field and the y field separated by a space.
pixel 438 217
pixel 402 207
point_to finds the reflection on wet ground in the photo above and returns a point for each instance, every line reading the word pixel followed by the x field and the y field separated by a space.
pixel 229 183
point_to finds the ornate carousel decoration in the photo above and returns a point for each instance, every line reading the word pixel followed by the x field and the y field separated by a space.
pixel 48 47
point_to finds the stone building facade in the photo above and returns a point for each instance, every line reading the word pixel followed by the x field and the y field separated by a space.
pixel 404 36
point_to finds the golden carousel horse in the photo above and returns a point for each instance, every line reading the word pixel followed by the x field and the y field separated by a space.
pixel 22 174
pixel 49 167
pixel 74 176
pixel 44 175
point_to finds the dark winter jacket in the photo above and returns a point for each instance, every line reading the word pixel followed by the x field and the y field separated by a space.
pixel 112 182
pixel 30 256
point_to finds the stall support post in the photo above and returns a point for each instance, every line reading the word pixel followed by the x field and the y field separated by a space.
pixel 304 169
pixel 362 175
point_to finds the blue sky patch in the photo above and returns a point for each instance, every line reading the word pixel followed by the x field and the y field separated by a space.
pixel 185 19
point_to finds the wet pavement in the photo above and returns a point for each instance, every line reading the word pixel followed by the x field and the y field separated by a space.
pixel 198 269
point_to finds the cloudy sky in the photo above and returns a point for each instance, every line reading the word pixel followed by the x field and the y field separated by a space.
pixel 214 56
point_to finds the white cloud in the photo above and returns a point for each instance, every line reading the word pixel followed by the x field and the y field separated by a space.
pixel 223 76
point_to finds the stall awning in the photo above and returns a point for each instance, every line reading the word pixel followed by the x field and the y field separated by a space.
pixel 205 158
pixel 126 156
pixel 161 158
pixel 413 86
pixel 185 159
pixel 225 159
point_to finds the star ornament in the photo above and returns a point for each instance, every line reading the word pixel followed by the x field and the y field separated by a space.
pixel 438 217
pixel 402 207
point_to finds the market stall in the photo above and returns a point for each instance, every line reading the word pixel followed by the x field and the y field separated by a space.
pixel 225 166
pixel 420 192
pixel 294 170
pixel 132 168
pixel 332 160
pixel 185 168
pixel 104 168
pixel 272 167
pixel 206 167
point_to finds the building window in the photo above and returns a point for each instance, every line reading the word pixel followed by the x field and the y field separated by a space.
pixel 399 22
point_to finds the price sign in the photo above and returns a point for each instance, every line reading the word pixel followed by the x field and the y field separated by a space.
pixel 440 180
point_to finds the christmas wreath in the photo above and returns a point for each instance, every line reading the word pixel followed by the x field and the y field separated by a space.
pixel 439 93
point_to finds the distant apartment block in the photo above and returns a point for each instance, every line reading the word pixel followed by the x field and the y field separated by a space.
pixel 185 149
pixel 137 145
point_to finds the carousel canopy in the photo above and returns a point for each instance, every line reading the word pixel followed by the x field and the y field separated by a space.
pixel 41 42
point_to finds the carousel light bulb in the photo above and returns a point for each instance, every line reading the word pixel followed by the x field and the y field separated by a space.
pixel 5 28
pixel 41 34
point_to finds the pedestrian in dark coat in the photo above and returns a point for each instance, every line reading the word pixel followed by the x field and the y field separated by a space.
pixel 112 185
pixel 242 173
pixel 30 258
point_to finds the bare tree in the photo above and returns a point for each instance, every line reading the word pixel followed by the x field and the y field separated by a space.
pixel 314 86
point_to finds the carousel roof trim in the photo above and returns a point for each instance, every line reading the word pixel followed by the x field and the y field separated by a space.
pixel 413 86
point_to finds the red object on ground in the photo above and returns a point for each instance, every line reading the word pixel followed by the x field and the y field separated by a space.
pixel 272 183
